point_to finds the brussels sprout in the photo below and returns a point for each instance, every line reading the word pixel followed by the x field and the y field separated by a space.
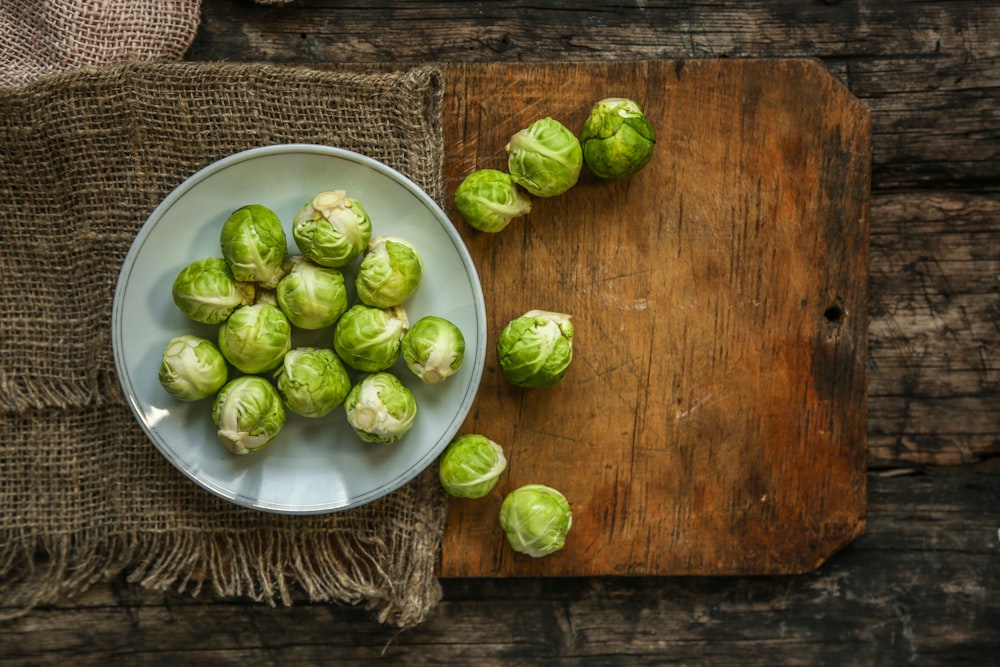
pixel 536 519
pixel 368 339
pixel 545 158
pixel 471 466
pixel 380 408
pixel 390 272
pixel 192 368
pixel 332 229
pixel 255 338
pixel 312 296
pixel 617 138
pixel 433 349
pixel 489 199
pixel 268 296
pixel 248 413
pixel 206 291
pixel 535 350
pixel 254 245
pixel 312 381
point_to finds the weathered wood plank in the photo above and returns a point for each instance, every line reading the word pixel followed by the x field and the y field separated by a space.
pixel 929 70
pixel 935 431
pixel 934 336
pixel 564 30
pixel 920 586
pixel 935 117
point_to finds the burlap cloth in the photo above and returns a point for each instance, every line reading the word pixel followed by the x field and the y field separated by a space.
pixel 85 157
pixel 39 37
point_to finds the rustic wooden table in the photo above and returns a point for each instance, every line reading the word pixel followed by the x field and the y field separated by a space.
pixel 922 585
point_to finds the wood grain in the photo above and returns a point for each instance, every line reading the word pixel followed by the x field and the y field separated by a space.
pixel 918 588
pixel 934 348
pixel 713 420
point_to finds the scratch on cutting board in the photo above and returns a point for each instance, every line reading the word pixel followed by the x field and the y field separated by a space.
pixel 683 414
pixel 623 303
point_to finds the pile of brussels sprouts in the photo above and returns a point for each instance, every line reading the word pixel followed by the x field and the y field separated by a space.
pixel 545 160
pixel 535 350
pixel 257 294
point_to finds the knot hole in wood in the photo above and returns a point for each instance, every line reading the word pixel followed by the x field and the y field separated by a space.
pixel 834 314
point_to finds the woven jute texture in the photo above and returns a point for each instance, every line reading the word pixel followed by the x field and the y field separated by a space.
pixel 85 157
pixel 39 37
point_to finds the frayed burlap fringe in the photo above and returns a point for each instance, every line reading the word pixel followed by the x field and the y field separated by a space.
pixel 85 156
pixel 266 566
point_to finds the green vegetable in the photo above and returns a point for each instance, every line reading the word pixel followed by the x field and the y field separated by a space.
pixel 312 381
pixel 390 272
pixel 489 199
pixel 433 349
pixel 206 291
pixel 255 338
pixel 380 408
pixel 535 350
pixel 536 519
pixel 248 414
pixel 332 229
pixel 254 245
pixel 617 138
pixel 471 466
pixel 192 368
pixel 545 158
pixel 368 339
pixel 312 296
pixel 268 296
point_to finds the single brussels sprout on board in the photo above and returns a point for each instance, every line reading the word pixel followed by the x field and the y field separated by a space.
pixel 254 245
pixel 332 229
pixel 248 414
pixel 433 349
pixel 255 338
pixel 535 350
pixel 380 408
pixel 206 291
pixel 368 339
pixel 488 199
pixel 536 519
pixel 545 158
pixel 312 381
pixel 192 368
pixel 390 272
pixel 311 296
pixel 471 466
pixel 617 138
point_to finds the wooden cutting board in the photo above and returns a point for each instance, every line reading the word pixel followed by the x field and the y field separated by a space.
pixel 713 420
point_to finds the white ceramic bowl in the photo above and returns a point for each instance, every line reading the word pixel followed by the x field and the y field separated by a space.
pixel 314 465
